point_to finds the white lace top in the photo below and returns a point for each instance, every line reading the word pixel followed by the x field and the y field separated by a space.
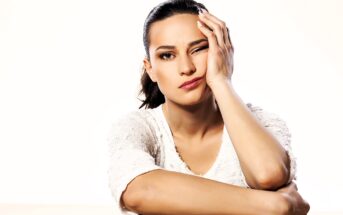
pixel 141 141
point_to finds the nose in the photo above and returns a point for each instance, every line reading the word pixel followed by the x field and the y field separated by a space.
pixel 186 66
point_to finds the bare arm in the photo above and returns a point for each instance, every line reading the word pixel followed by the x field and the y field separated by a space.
pixel 264 162
pixel 167 192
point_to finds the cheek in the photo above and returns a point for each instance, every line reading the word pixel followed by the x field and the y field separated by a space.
pixel 165 71
pixel 164 75
pixel 200 61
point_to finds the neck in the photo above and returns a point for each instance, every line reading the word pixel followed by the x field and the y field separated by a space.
pixel 192 122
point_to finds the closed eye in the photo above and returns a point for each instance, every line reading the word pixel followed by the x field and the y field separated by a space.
pixel 201 48
pixel 169 56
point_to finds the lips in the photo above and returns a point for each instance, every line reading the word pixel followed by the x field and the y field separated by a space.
pixel 190 82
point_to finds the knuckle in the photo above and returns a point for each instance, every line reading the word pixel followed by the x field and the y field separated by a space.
pixel 218 51
pixel 218 27
pixel 211 34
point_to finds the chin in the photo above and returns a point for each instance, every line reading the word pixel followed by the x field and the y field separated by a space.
pixel 194 98
pixel 191 98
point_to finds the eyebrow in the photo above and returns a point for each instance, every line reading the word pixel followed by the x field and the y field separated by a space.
pixel 189 44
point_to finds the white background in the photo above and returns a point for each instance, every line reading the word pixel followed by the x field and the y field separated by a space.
pixel 69 67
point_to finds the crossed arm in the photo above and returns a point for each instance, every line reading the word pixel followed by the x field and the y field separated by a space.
pixel 167 192
pixel 264 162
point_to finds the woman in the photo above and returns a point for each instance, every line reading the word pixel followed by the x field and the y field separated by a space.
pixel 197 148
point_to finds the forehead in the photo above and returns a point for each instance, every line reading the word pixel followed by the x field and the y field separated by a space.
pixel 176 30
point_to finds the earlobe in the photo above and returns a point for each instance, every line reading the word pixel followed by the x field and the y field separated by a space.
pixel 148 69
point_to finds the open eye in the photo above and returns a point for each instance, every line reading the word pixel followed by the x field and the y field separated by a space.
pixel 166 56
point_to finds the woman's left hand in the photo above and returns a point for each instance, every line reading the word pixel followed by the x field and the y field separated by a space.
pixel 220 54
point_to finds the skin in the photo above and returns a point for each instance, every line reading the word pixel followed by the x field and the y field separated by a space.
pixel 197 125
pixel 193 116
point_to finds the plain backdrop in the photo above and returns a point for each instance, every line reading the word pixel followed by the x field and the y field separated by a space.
pixel 68 68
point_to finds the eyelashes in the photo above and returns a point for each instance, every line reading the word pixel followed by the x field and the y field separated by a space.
pixel 165 56
pixel 201 48
pixel 169 56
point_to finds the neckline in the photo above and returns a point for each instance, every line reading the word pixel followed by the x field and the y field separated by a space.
pixel 172 146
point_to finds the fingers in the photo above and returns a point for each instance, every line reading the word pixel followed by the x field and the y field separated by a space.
pixel 307 206
pixel 212 40
pixel 215 27
pixel 219 27
pixel 225 30
pixel 228 39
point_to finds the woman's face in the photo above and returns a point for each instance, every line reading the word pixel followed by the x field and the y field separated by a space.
pixel 178 53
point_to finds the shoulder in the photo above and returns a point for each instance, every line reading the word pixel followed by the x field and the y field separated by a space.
pixel 265 116
pixel 132 118
pixel 273 122
pixel 136 123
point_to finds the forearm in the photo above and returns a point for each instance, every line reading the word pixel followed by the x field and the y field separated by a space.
pixel 169 193
pixel 263 160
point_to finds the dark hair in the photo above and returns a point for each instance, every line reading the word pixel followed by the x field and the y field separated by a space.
pixel 153 95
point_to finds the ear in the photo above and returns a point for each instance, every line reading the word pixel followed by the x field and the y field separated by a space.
pixel 148 69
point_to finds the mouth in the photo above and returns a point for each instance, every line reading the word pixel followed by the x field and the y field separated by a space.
pixel 191 84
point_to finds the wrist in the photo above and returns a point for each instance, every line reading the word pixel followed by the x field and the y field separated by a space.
pixel 218 86
pixel 281 204
pixel 270 203
pixel 212 83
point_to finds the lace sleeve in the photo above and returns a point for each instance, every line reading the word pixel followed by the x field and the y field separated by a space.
pixel 132 148
pixel 279 129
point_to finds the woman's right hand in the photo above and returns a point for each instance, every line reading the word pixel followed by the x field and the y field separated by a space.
pixel 296 205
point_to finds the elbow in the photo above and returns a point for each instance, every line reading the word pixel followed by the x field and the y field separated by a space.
pixel 273 176
pixel 272 179
pixel 130 199
pixel 136 193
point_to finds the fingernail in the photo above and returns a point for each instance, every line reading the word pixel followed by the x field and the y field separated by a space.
pixel 202 11
pixel 199 23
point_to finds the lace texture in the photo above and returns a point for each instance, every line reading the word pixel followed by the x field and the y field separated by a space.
pixel 141 141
